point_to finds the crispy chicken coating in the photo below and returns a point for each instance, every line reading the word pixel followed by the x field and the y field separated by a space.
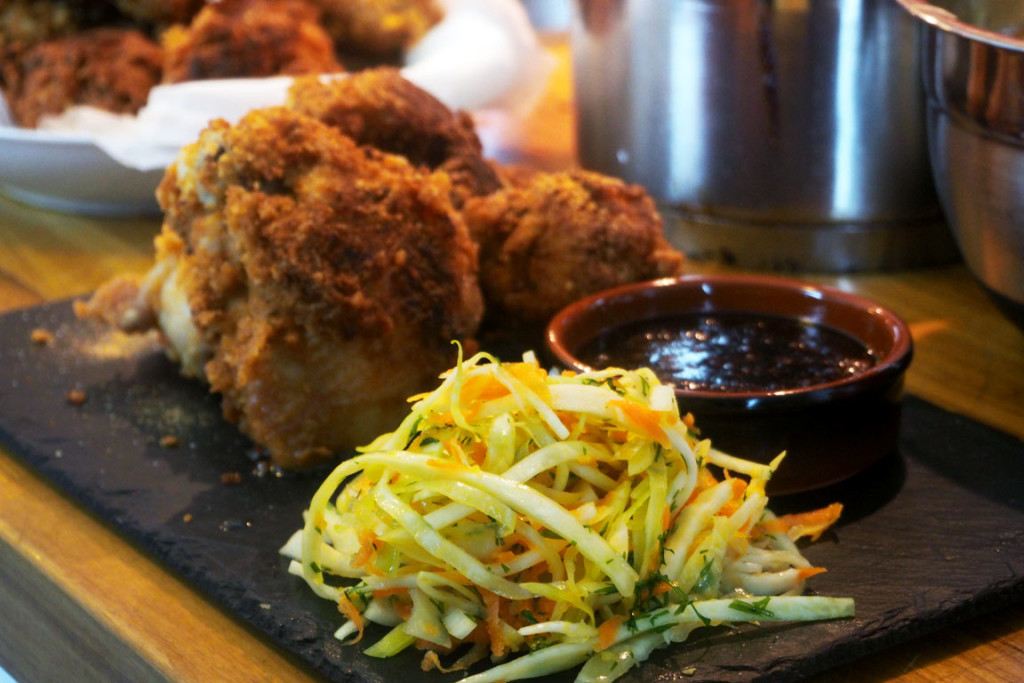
pixel 380 108
pixel 382 29
pixel 160 13
pixel 315 284
pixel 548 239
pixel 26 22
pixel 236 38
pixel 108 68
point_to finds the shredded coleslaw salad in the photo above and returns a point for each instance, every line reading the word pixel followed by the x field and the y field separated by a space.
pixel 548 521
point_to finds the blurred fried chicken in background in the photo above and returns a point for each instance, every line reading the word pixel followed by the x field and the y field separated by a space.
pixel 244 38
pixel 24 23
pixel 548 239
pixel 381 109
pixel 198 40
pixel 314 284
pixel 160 13
pixel 108 68
pixel 378 29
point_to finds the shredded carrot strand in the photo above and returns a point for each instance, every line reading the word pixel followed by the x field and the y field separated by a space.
pixel 442 464
pixel 607 631
pixel 705 480
pixel 403 608
pixel 769 526
pixel 493 622
pixel 503 556
pixel 812 523
pixel 808 572
pixel 482 387
pixel 545 606
pixel 478 390
pixel 646 420
pixel 382 593
pixel 454 449
pixel 477 452
pixel 739 486
pixel 431 646
pixel 367 548
pixel 618 435
pixel 456 576
pixel 533 376
pixel 350 612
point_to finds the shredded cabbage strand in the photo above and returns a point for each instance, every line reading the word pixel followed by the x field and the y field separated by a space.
pixel 551 521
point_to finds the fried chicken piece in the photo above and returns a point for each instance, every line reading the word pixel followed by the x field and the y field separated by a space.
pixel 236 39
pixel 314 284
pixel 27 22
pixel 160 13
pixel 549 239
pixel 382 29
pixel 381 108
pixel 109 68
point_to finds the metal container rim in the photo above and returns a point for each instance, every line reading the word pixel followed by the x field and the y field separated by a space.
pixel 944 20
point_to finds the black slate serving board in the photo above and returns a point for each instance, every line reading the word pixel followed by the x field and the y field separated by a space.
pixel 931 535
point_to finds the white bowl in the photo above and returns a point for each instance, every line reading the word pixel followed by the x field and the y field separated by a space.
pixel 70 173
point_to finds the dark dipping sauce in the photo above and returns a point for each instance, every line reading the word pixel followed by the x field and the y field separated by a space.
pixel 731 352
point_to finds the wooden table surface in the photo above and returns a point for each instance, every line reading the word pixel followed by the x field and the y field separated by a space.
pixel 80 603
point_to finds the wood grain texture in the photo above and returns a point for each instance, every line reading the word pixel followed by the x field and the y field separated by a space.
pixel 70 585
pixel 81 589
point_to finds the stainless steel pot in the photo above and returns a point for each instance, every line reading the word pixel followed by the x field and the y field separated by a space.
pixel 973 58
pixel 784 134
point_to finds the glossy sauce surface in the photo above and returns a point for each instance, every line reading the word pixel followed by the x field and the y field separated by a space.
pixel 731 352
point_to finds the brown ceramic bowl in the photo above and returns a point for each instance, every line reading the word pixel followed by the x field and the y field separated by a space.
pixel 830 429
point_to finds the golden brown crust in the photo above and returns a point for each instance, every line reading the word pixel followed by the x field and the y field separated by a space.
pixel 380 108
pixel 234 39
pixel 328 220
pixel 120 303
pixel 328 280
pixel 315 281
pixel 160 13
pixel 109 68
pixel 553 238
pixel 24 23
pixel 383 29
